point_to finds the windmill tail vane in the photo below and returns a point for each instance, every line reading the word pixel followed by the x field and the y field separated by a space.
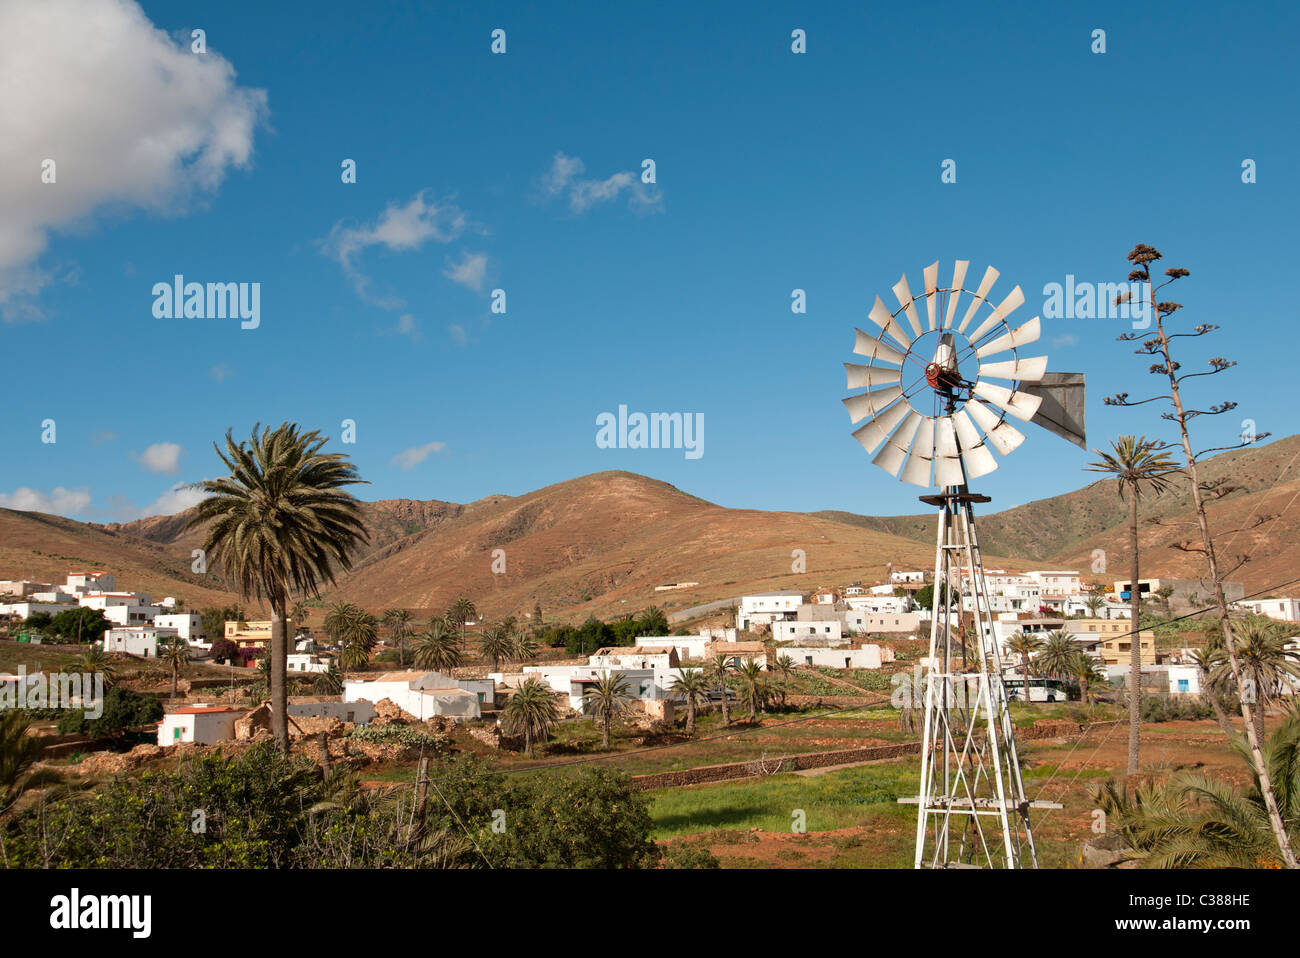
pixel 940 396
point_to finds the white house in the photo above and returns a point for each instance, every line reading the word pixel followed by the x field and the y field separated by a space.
pixel 423 694
pixel 139 640
pixel 83 583
pixel 688 647
pixel 867 657
pixel 906 577
pixel 123 608
pixel 203 724
pixel 188 625
pixel 1284 610
pixel 25 609
pixel 359 713
pixel 301 662
pixel 830 630
pixel 623 658
pixel 766 607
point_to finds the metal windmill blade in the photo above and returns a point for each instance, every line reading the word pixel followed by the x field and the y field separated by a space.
pixel 928 421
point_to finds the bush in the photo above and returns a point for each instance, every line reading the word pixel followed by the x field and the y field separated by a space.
pixel 394 734
pixel 689 855
pixel 1168 708
pixel 123 709
pixel 265 810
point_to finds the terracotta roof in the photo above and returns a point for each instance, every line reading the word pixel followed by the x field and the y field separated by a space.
pixel 195 710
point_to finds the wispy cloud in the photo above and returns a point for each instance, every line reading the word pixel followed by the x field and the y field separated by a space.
pixel 457 333
pixel 400 228
pixel 1069 339
pixel 161 457
pixel 410 458
pixel 564 178
pixel 407 326
pixel 221 372
pixel 178 498
pixel 470 271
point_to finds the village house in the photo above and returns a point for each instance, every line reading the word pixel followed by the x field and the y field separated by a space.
pixel 867 657
pixel 1116 642
pixel 423 694
pixel 141 640
pixel 767 607
pixel 1284 610
pixel 201 724
pixel 738 653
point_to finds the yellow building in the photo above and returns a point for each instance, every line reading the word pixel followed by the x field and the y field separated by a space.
pixel 249 635
pixel 1116 646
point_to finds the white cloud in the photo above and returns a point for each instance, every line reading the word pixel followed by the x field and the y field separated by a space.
pixel 470 271
pixel 457 333
pixel 564 178
pixel 59 502
pixel 178 498
pixel 162 457
pixel 398 229
pixel 221 372
pixel 410 458
pixel 132 120
pixel 1069 339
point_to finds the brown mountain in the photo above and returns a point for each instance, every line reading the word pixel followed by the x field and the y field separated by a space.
pixel 599 544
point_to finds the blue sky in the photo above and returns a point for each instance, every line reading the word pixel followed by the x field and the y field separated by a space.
pixel 774 171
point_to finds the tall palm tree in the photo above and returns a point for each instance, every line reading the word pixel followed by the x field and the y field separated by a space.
pixel 175 653
pixel 603 698
pixel 1265 660
pixel 1093 604
pixel 459 613
pixel 753 690
pixel 1024 644
pixel 399 627
pixel 435 647
pixel 280 524
pixel 329 682
pixel 692 686
pixel 495 645
pixel 1139 465
pixel 718 673
pixel 530 712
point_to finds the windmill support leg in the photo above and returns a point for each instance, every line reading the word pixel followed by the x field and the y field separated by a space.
pixel 971 787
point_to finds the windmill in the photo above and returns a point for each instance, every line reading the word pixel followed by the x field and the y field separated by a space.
pixel 927 420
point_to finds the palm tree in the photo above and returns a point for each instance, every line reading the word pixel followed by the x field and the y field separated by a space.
pixel 1057 653
pixel 693 686
pixel 399 627
pixel 1024 644
pixel 280 524
pixel 718 673
pixel 1139 465
pixel 329 682
pixel 530 712
pixel 753 690
pixel 435 647
pixel 1265 660
pixel 783 667
pixel 459 613
pixel 18 751
pixel 298 616
pixel 603 698
pixel 175 653
pixel 495 645
pixel 653 622
pixel 1192 821
pixel 1207 660
pixel 523 645
pixel 1083 668
pixel 96 659
pixel 1093 603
